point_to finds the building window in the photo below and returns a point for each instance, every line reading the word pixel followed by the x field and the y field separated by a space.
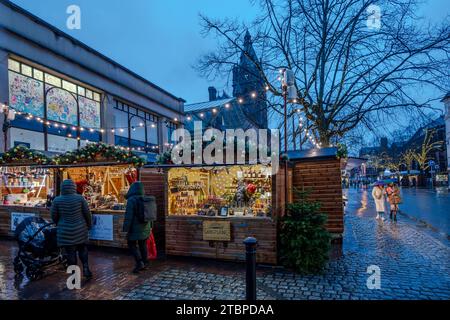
pixel 52 105
pixel 31 139
pixel 61 106
pixel 135 128
pixel 171 127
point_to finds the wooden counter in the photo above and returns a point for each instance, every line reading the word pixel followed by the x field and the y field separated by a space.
pixel 119 237
pixel 184 237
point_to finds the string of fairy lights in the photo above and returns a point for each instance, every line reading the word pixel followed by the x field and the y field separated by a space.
pixel 59 125
pixel 254 95
pixel 142 124
pixel 308 135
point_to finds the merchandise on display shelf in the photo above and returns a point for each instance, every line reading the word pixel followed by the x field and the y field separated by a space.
pixel 26 186
pixel 104 187
pixel 221 191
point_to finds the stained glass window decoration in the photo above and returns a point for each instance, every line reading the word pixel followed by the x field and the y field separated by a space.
pixel 89 113
pixel 61 106
pixel 69 86
pixel 96 96
pixel 88 94
pixel 81 91
pixel 38 75
pixel 54 81
pixel 26 94
pixel 13 65
pixel 27 70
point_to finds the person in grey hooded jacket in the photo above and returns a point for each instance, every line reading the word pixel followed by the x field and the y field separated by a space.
pixel 70 212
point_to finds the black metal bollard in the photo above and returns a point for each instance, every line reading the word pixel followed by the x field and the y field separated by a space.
pixel 250 277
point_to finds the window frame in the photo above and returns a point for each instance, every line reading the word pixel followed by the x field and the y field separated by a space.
pixel 146 117
pixel 96 96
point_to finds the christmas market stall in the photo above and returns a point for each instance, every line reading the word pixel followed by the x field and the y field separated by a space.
pixel 210 210
pixel 102 173
pixel 27 183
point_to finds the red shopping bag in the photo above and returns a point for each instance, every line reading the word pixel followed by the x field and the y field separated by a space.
pixel 151 247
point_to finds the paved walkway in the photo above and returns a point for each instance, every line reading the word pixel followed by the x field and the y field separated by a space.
pixel 414 264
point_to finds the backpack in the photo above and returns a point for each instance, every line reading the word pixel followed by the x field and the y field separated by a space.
pixel 146 209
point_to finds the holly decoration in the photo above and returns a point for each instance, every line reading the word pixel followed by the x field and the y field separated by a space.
pixel 99 152
pixel 22 154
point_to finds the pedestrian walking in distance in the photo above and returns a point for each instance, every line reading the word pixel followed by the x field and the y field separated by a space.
pixel 139 216
pixel 393 194
pixel 70 212
pixel 378 196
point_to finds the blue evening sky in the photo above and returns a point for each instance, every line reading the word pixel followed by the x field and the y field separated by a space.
pixel 160 39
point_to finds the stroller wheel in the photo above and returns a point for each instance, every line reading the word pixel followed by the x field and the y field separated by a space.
pixel 18 266
pixel 33 273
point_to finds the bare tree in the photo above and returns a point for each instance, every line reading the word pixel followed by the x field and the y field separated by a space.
pixel 422 156
pixel 347 74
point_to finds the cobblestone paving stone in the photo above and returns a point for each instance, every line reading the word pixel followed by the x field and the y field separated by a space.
pixel 414 264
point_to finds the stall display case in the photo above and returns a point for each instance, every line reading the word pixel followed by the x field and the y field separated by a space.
pixel 26 186
pixel 104 187
pixel 212 209
pixel 28 191
pixel 221 191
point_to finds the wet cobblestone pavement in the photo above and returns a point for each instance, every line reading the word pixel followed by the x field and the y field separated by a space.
pixel 414 264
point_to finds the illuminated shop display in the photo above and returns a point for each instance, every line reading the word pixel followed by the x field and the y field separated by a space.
pixel 104 187
pixel 26 186
pixel 221 191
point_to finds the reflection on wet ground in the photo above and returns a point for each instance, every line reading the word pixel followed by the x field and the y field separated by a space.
pixel 414 264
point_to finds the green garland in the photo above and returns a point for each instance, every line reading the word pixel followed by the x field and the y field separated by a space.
pixel 99 152
pixel 23 155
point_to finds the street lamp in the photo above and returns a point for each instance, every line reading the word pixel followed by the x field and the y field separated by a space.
pixel 289 92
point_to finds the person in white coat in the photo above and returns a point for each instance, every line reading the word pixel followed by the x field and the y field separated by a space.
pixel 378 196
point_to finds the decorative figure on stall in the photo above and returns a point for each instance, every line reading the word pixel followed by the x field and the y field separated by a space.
pixel 241 194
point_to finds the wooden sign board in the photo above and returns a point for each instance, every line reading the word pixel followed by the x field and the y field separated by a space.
pixel 216 230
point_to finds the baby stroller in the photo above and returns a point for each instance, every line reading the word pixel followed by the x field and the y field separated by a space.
pixel 37 247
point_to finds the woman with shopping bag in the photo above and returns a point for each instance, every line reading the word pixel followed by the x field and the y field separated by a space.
pixel 139 216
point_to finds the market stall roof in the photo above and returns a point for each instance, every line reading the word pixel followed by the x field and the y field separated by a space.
pixel 312 153
pixel 56 166
pixel 203 165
